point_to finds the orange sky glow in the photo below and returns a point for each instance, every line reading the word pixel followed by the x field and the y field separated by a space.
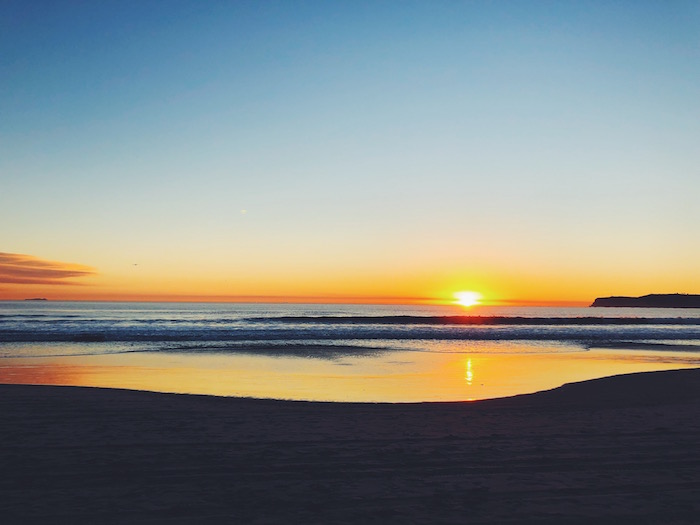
pixel 23 276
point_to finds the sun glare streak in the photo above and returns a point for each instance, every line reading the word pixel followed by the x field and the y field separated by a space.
pixel 467 298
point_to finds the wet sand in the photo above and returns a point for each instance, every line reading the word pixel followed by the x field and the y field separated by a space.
pixel 616 450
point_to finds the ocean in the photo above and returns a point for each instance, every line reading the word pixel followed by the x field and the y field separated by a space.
pixel 323 352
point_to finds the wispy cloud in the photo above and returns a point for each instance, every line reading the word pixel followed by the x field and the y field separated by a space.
pixel 25 269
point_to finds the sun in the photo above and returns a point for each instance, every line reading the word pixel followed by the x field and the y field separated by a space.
pixel 467 298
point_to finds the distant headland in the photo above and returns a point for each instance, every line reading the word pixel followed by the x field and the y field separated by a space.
pixel 37 299
pixel 672 300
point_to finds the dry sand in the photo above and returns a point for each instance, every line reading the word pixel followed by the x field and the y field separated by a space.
pixel 616 450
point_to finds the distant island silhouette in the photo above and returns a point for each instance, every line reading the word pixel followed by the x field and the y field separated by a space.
pixel 672 300
pixel 37 299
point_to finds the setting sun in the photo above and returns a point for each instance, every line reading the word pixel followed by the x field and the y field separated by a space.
pixel 467 298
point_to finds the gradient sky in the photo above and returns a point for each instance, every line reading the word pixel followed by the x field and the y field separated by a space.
pixel 534 151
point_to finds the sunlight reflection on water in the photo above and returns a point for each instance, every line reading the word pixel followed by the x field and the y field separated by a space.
pixel 397 376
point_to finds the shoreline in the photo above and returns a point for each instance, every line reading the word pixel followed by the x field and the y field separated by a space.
pixel 594 385
pixel 619 449
pixel 487 371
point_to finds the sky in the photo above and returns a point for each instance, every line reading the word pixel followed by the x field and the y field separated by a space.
pixel 535 152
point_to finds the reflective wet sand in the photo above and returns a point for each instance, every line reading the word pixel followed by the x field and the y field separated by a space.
pixel 398 376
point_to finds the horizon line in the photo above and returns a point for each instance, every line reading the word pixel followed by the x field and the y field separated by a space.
pixel 361 300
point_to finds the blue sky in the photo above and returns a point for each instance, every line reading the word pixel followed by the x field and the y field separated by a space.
pixel 502 143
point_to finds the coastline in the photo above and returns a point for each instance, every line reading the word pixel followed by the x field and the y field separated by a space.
pixel 620 449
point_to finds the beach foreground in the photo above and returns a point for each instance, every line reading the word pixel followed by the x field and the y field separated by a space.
pixel 614 450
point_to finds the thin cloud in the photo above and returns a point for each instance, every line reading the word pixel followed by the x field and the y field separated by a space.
pixel 24 269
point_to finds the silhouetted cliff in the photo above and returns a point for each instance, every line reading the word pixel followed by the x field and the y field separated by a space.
pixel 672 300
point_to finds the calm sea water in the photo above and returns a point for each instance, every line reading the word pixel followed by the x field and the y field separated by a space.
pixel 336 352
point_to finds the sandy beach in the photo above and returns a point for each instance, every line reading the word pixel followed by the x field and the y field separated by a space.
pixel 614 450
